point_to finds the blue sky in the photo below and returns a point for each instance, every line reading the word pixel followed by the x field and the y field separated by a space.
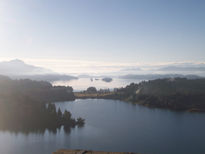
pixel 119 31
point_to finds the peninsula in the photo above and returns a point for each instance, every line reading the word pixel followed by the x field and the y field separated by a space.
pixel 179 94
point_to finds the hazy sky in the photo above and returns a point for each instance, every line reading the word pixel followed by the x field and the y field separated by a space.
pixel 128 31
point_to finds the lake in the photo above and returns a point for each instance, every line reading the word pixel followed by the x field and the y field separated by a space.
pixel 116 126
pixel 83 83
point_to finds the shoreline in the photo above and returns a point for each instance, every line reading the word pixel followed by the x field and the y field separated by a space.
pixel 112 96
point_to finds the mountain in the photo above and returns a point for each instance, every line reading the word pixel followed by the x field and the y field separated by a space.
pixel 46 77
pixel 158 76
pixel 17 69
pixel 180 68
pixel 128 69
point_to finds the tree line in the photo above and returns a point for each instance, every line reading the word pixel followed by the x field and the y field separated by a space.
pixel 172 93
pixel 26 105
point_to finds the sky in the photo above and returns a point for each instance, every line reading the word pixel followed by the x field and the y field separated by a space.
pixel 102 32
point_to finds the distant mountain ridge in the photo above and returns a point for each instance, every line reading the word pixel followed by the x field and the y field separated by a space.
pixel 158 76
pixel 18 69
pixel 180 68
pixel 175 68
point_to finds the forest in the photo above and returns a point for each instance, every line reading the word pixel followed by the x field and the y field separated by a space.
pixel 179 94
pixel 174 93
pixel 26 105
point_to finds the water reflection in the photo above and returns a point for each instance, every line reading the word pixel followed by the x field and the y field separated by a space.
pixel 114 126
pixel 40 131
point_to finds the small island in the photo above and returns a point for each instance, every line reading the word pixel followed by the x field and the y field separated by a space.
pixel 107 79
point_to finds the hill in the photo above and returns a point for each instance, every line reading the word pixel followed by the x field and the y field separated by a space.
pixel 26 105
pixel 171 93
pixel 176 94
pixel 158 76
pixel 17 69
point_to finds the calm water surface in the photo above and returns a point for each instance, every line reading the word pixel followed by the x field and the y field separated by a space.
pixel 116 126
pixel 83 83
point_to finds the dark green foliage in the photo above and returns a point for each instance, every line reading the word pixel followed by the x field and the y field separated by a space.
pixel 176 94
pixel 91 90
pixel 80 122
pixel 173 86
pixel 30 115
pixel 60 115
pixel 23 106
pixel 35 90
pixel 66 115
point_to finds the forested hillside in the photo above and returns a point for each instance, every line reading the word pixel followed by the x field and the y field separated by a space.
pixel 23 106
pixel 174 93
